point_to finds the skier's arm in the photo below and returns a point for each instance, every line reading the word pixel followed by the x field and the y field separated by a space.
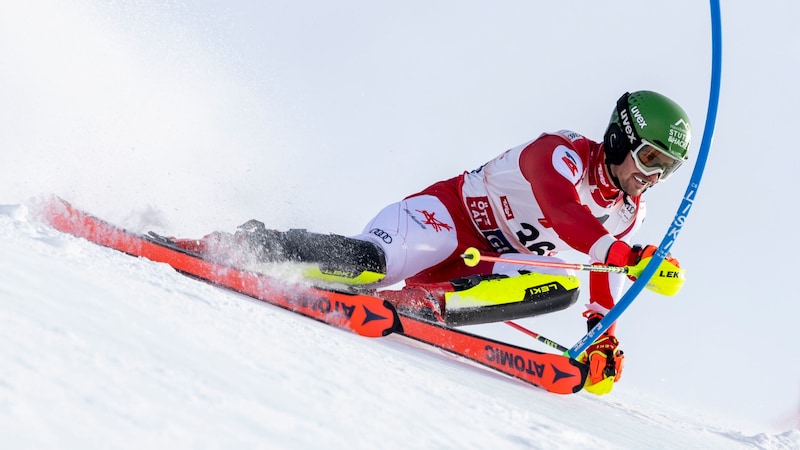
pixel 553 176
pixel 553 173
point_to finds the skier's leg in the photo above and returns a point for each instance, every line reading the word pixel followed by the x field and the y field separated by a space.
pixel 338 258
pixel 414 234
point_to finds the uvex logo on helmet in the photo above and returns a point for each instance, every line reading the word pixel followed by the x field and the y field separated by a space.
pixel 638 116
pixel 628 127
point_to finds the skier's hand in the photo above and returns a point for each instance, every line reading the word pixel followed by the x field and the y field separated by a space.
pixel 621 254
pixel 668 278
pixel 605 361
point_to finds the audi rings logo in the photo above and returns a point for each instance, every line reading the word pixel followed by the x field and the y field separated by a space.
pixel 385 237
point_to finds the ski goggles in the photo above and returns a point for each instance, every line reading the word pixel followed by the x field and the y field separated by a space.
pixel 651 160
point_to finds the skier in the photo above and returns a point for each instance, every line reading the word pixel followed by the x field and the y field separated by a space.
pixel 560 191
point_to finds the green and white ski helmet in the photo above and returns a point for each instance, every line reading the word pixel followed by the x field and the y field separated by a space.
pixel 647 116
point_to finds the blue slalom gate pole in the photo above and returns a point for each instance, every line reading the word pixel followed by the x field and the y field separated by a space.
pixel 686 203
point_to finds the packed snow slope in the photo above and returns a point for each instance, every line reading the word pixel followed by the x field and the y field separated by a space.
pixel 103 350
pixel 188 117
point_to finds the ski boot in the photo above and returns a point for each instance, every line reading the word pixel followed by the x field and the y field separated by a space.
pixel 328 258
pixel 478 299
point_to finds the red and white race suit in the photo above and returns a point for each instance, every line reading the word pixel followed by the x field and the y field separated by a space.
pixel 548 195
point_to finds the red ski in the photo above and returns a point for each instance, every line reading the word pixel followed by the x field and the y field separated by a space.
pixel 555 373
pixel 363 314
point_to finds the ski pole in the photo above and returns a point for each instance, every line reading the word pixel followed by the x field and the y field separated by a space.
pixel 537 336
pixel 472 256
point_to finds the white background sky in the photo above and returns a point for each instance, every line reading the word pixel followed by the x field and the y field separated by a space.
pixel 192 117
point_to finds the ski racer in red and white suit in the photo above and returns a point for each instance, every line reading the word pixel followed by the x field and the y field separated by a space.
pixel 558 192
pixel 548 195
pixel 552 194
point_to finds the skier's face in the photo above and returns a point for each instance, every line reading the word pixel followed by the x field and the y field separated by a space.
pixel 632 181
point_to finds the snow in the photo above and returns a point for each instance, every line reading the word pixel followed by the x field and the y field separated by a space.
pixel 188 117
pixel 103 350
